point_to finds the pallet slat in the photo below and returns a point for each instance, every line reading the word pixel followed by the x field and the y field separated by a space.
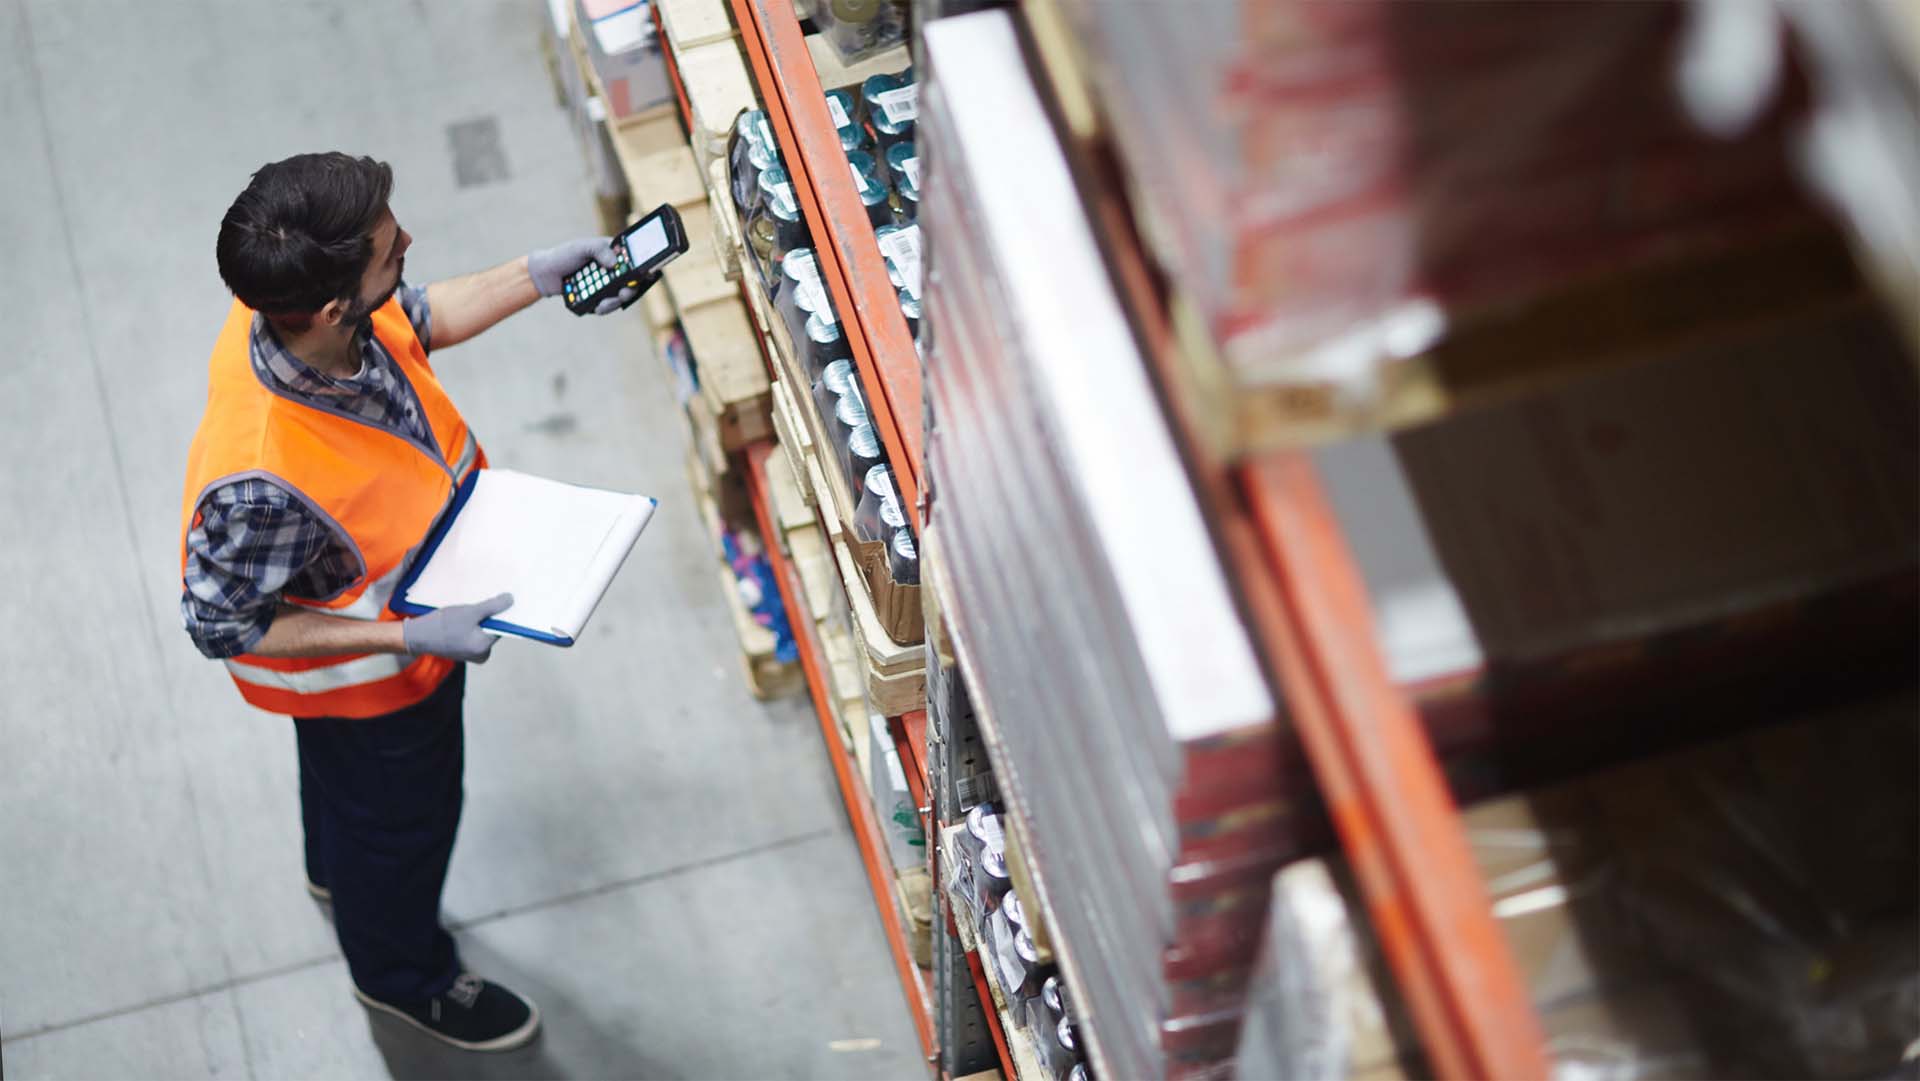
pixel 718 90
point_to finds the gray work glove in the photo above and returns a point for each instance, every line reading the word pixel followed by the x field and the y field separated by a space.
pixel 551 268
pixel 454 632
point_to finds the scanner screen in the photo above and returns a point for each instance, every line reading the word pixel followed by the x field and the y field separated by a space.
pixel 647 242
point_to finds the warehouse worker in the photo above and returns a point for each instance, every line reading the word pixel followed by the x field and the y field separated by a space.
pixel 327 451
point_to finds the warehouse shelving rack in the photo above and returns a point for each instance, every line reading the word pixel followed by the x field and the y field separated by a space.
pixel 784 75
pixel 866 828
pixel 1375 766
pixel 1304 600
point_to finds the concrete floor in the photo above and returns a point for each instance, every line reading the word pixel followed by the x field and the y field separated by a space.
pixel 660 861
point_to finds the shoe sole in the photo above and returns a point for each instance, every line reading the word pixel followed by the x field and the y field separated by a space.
pixel 320 893
pixel 519 1037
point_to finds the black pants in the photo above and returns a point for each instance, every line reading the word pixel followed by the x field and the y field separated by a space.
pixel 381 800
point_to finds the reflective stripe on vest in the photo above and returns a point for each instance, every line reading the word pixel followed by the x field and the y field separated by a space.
pixel 371 600
pixel 368 669
pixel 469 452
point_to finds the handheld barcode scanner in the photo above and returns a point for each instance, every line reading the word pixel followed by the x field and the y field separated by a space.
pixel 642 250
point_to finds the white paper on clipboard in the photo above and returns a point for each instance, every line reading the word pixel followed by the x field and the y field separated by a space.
pixel 554 546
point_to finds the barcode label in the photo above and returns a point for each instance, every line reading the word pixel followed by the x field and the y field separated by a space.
pixel 766 133
pixel 911 167
pixel 859 178
pixel 903 247
pixel 838 112
pixel 900 105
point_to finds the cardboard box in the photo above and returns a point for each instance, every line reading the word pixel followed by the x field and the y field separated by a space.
pixel 1746 908
pixel 624 52
pixel 893 801
pixel 1639 501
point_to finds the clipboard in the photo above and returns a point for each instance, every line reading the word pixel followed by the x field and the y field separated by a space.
pixel 555 546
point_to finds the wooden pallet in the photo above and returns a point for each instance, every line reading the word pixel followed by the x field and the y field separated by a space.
pixel 767 676
pixel 729 243
pixel 653 154
pixel 718 90
pixel 733 375
pixel 696 293
pixel 821 597
pixel 691 23
pixel 795 444
pixel 895 675
pixel 658 306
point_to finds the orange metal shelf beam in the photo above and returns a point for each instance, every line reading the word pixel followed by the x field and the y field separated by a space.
pixel 1380 780
pixel 850 261
pixel 1374 765
pixel 866 830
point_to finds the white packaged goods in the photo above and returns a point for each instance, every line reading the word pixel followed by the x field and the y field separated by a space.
pixel 1084 581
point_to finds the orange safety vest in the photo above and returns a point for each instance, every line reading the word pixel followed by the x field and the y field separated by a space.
pixel 380 491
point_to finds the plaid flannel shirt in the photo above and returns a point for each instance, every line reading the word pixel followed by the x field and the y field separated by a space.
pixel 255 539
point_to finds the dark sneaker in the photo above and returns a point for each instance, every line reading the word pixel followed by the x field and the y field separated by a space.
pixel 473 1015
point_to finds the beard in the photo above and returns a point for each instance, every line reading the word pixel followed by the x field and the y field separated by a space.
pixel 359 311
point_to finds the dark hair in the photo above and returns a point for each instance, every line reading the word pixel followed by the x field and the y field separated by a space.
pixel 302 233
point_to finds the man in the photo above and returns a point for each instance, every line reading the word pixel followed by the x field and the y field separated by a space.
pixel 327 451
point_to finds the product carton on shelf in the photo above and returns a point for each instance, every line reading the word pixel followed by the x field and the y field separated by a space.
pixel 1648 555
pixel 624 54
pixel 1351 246
pixel 1741 909
pixel 1134 730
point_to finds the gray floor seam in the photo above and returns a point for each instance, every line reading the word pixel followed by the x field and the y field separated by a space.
pixel 639 880
pixel 234 982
